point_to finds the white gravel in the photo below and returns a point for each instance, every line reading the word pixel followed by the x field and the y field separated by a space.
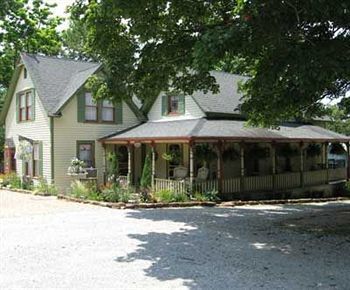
pixel 49 243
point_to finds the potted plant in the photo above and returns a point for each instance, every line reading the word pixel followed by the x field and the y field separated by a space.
pixel 76 167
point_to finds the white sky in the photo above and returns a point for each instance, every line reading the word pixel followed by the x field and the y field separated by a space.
pixel 59 10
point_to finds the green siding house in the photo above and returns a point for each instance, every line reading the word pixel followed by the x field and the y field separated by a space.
pixel 204 134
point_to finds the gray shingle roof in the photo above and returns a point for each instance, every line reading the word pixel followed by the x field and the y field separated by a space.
pixel 231 129
pixel 227 100
pixel 57 79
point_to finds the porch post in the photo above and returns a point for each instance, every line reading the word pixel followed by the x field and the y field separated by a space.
pixel 326 161
pixel 301 146
pixel 242 165
pixel 220 167
pixel 191 166
pixel 104 163
pixel 348 159
pixel 129 164
pixel 153 164
pixel 273 156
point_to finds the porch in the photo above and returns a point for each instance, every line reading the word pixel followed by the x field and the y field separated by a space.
pixel 234 165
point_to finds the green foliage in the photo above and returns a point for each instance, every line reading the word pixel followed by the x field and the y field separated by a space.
pixel 293 52
pixel 340 121
pixel 209 195
pixel 112 167
pixel 26 27
pixel 11 180
pixel 146 178
pixel 45 188
pixel 347 187
pixel 86 190
pixel 204 153
pixel 167 196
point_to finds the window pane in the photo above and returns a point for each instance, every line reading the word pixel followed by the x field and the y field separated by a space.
pixel 86 154
pixel 174 104
pixel 107 104
pixel 22 101
pixel 89 101
pixel 29 112
pixel 23 114
pixel 29 98
pixel 90 113
pixel 36 151
pixel 107 114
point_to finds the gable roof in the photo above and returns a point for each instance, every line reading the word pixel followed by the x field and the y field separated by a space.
pixel 57 79
pixel 227 101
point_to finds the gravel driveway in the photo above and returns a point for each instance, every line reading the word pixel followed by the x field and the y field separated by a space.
pixel 49 243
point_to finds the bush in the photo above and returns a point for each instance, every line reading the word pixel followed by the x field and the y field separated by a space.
pixel 169 196
pixel 210 195
pixel 115 193
pixel 10 180
pixel 44 187
pixel 146 178
pixel 87 190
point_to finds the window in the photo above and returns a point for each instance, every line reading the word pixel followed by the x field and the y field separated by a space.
pixel 25 106
pixel 107 111
pixel 91 108
pixel 86 152
pixel 25 73
pixel 36 160
pixel 173 104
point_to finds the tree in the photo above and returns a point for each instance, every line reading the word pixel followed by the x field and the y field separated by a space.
pixel 340 121
pixel 25 26
pixel 296 52
pixel 146 178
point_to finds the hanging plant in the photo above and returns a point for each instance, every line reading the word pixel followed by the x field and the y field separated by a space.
pixel 286 150
pixel 205 154
pixel 230 153
pixel 258 152
pixel 337 149
pixel 313 150
pixel 167 156
pixel 24 150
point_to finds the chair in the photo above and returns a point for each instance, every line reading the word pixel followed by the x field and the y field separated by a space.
pixel 202 174
pixel 180 172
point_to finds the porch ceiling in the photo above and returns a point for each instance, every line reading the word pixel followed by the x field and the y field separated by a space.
pixel 204 129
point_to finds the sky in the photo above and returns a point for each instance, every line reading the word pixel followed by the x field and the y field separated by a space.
pixel 59 10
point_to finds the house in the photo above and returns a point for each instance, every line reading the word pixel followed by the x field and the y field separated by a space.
pixel 198 142
pixel 48 106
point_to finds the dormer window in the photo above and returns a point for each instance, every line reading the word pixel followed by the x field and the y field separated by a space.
pixel 173 105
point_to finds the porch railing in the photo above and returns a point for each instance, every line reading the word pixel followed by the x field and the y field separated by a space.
pixel 337 174
pixel 254 183
pixel 287 180
pixel 280 181
pixel 315 177
pixel 207 185
pixel 177 186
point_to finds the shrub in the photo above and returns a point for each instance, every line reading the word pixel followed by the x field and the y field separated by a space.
pixel 169 196
pixel 210 195
pixel 44 187
pixel 87 190
pixel 146 178
pixel 10 180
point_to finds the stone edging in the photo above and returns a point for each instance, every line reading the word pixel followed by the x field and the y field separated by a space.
pixel 123 205
pixel 26 191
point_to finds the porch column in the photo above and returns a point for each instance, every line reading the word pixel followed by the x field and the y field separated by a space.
pixel 104 165
pixel 348 160
pixel 129 164
pixel 326 161
pixel 273 157
pixel 301 146
pixel 220 166
pixel 242 165
pixel 191 166
pixel 153 165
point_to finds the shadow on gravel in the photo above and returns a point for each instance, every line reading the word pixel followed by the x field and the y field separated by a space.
pixel 242 248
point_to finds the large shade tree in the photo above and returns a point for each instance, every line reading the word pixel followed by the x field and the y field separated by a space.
pixel 296 52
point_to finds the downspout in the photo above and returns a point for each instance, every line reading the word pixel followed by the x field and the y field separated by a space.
pixel 52 143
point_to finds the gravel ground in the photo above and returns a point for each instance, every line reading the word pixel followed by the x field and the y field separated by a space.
pixel 49 243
